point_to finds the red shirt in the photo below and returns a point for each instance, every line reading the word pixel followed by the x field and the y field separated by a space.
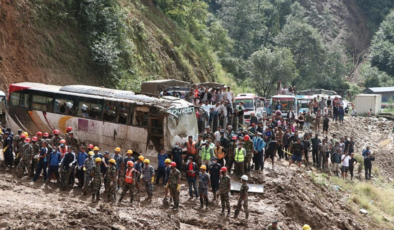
pixel 191 169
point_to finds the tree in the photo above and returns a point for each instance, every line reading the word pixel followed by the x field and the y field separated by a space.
pixel 266 67
pixel 382 49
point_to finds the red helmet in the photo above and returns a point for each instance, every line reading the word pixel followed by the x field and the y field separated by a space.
pixel 56 131
pixel 27 140
pixel 223 169
pixel 246 138
pixel 234 138
pixel 173 164
pixel 46 134
pixel 90 146
pixel 62 141
pixel 69 128
pixel 39 133
pixel 34 138
pixel 23 136
pixel 253 124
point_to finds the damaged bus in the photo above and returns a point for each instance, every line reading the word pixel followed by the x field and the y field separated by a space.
pixel 105 117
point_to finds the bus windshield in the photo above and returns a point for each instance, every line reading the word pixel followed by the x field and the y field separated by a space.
pixel 285 103
pixel 304 104
pixel 248 103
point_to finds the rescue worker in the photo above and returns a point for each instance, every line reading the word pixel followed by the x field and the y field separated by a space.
pixel 243 198
pixel 231 153
pixel 55 141
pixel 119 163
pixel 161 157
pixel 148 175
pixel 26 154
pixel 111 180
pixel 67 165
pixel 224 190
pixel 53 165
pixel 87 168
pixel 48 140
pixel 249 148
pixel 82 156
pixel 220 153
pixel 41 165
pixel 174 183
pixel 306 227
pixel 191 169
pixel 259 146
pixel 7 150
pixel 191 149
pixel 104 168
pixel 273 226
pixel 63 148
pixel 128 157
pixel 67 134
pixel 15 140
pixel 96 175
pixel 123 167
pixel 139 165
pixel 39 138
pixel 214 172
pixel 204 181
pixel 239 158
pixel 176 156
pixel 90 148
pixel 36 151
pixel 207 152
pixel 167 170
pixel 130 179
pixel 73 141
pixel 20 143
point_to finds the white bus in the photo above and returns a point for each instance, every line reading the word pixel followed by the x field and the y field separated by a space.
pixel 104 117
pixel 284 102
pixel 251 103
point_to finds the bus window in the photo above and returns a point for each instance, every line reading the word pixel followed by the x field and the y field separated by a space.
pixel 109 113
pixel 15 99
pixel 63 106
pixel 90 110
pixel 141 116
pixel 125 111
pixel 42 103
pixel 25 101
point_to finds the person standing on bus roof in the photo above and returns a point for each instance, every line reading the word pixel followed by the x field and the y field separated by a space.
pixel 119 163
pixel 161 157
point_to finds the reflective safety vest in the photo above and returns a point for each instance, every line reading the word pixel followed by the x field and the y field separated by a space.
pixel 129 176
pixel 191 148
pixel 219 153
pixel 206 153
pixel 63 151
pixel 239 155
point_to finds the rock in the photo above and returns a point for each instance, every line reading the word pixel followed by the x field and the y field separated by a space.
pixel 363 211
pixel 4 224
pixel 118 227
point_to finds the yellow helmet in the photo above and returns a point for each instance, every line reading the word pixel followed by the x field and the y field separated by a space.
pixel 130 151
pixel 112 161
pixel 306 227
pixel 203 167
pixel 167 160
pixel 91 153
pixel 26 134
pixel 96 148
pixel 117 149
pixel 147 161
pixel 98 159
pixel 141 158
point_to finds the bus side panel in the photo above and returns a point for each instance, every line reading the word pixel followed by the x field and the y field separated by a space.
pixel 19 118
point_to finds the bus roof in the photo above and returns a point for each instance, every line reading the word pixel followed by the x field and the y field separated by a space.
pixel 305 97
pixel 102 93
pixel 2 94
pixel 284 96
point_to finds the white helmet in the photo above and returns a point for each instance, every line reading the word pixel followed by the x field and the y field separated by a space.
pixel 84 107
pixel 69 105
pixel 244 177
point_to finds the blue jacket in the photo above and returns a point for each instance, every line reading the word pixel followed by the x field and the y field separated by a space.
pixel 81 158
pixel 161 159
pixel 336 158
pixel 258 144
pixel 54 158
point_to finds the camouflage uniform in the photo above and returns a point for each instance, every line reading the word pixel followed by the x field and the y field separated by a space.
pixel 119 165
pixel 148 173
pixel 20 143
pixel 36 150
pixel 111 178
pixel 224 186
pixel 88 164
pixel 204 179
pixel 173 179
pixel 67 138
pixel 26 153
pixel 96 181
pixel 55 141
pixel 129 186
pixel 74 142
pixel 243 197
pixel 230 156
pixel 249 155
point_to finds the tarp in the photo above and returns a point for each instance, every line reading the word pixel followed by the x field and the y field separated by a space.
pixel 156 87
pixel 253 188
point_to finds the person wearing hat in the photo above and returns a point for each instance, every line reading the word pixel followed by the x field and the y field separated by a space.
pixel 204 180
pixel 73 141
pixel 87 169
pixel 249 148
pixel 174 184
pixel 104 168
pixel 243 198
pixel 110 180
pixel 148 176
pixel 119 165
pixel 258 146
pixel 239 157
pixel 214 172
pixel 306 227
pixel 18 147
pixel 17 142
pixel 7 150
pixel 191 170
pixel 129 182
pixel 96 175
pixel 224 190
pixel 82 156
pixel 53 165
pixel 26 158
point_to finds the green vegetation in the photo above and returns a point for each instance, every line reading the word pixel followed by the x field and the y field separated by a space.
pixel 375 10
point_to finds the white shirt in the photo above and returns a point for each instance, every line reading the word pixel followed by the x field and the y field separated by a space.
pixel 345 160
pixel 229 97
pixel 354 112
pixel 217 135
pixel 223 110
pixel 206 108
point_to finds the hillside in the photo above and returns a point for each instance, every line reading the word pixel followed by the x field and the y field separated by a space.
pixel 53 42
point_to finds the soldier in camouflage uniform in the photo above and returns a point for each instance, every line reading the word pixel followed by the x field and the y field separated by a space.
pixel 67 136
pixel 36 150
pixel 16 140
pixel 26 154
pixel 243 197
pixel 231 153
pixel 48 141
pixel 224 189
pixel 19 146
pixel 39 138
pixel 96 174
pixel 174 183
pixel 111 180
pixel 148 175
pixel 204 181
pixel 119 165
pixel 73 141
pixel 249 153
pixel 55 141
pixel 87 168
pixel 131 177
